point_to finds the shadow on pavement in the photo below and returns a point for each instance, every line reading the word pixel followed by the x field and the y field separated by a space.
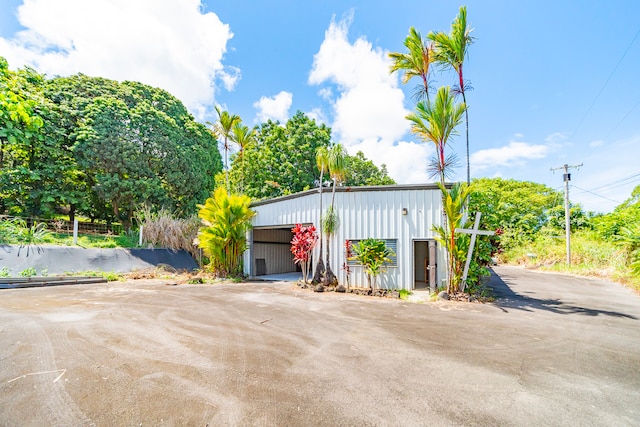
pixel 506 298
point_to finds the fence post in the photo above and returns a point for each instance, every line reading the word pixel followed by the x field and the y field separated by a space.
pixel 75 231
pixel 140 239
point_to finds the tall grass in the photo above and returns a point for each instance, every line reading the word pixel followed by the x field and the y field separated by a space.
pixel 162 229
pixel 591 255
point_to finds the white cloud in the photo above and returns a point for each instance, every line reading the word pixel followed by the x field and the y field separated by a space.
pixel 513 154
pixel 274 108
pixel 406 161
pixel 318 115
pixel 169 44
pixel 556 137
pixel 369 113
pixel 326 93
pixel 597 143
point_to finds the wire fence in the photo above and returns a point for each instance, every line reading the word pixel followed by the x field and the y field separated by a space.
pixel 62 226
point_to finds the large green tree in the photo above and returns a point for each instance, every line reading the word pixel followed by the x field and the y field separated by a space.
pixel 361 171
pixel 282 160
pixel 137 154
pixel 98 147
pixel 20 136
pixel 520 208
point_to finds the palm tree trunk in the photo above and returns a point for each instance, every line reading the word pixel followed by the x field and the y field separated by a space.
pixel 466 121
pixel 242 171
pixel 226 163
pixel 317 276
pixel 329 277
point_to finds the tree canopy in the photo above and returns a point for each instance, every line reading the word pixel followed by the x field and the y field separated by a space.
pixel 103 149
pixel 99 147
pixel 520 208
pixel 282 160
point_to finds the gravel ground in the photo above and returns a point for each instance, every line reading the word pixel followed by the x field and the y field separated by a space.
pixel 554 350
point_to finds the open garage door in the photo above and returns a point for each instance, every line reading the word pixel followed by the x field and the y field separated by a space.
pixel 271 252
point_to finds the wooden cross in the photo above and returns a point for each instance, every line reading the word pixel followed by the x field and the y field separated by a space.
pixel 474 232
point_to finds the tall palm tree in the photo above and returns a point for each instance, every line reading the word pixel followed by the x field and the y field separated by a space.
pixel 223 128
pixel 436 122
pixel 415 62
pixel 322 161
pixel 338 171
pixel 337 167
pixel 451 50
pixel 244 137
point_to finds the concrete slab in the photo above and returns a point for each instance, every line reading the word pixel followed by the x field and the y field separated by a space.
pixel 282 277
pixel 552 351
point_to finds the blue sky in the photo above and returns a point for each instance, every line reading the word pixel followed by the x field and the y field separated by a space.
pixel 555 82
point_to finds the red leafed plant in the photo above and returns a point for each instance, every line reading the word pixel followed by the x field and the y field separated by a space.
pixel 304 240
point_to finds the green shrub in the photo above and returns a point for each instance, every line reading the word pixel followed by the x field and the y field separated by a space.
pixel 226 218
pixel 590 255
pixel 372 254
pixel 29 272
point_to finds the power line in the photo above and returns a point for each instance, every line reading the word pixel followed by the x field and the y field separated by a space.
pixel 595 194
pixel 618 183
pixel 623 119
pixel 606 83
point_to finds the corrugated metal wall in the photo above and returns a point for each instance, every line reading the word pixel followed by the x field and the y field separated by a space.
pixel 364 214
pixel 274 247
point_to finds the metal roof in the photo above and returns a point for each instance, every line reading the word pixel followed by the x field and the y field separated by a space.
pixel 403 187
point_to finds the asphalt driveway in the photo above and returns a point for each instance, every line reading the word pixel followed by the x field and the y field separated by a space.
pixel 553 350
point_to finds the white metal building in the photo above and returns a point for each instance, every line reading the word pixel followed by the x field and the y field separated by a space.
pixel 402 215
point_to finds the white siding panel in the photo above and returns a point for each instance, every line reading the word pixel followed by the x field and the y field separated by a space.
pixel 278 258
pixel 365 214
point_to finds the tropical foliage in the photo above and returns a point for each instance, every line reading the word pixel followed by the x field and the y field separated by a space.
pixel 416 62
pixel 522 209
pixel 99 148
pixel 451 51
pixel 453 206
pixel 282 160
pixel 372 254
pixel 436 122
pixel 330 220
pixel 361 171
pixel 17 231
pixel 226 219
pixel 224 129
pixel 322 162
pixel 304 240
pixel 531 218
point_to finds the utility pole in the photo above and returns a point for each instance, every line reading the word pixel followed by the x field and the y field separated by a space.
pixel 567 214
